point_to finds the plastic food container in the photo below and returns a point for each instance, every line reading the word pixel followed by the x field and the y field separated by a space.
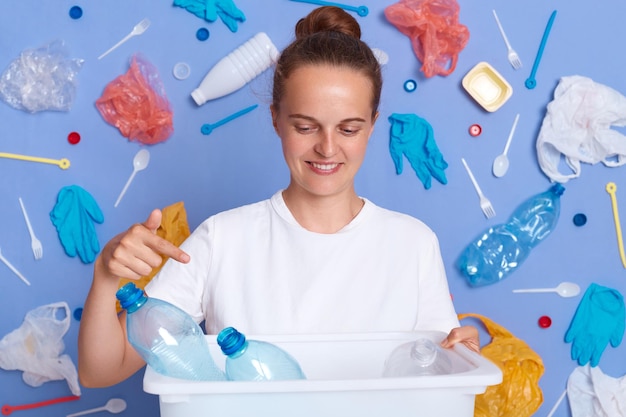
pixel 343 379
pixel 487 86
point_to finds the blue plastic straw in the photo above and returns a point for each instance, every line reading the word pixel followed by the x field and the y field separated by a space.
pixel 531 82
pixel 208 128
pixel 360 10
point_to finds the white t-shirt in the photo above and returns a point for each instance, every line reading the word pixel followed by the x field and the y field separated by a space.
pixel 256 269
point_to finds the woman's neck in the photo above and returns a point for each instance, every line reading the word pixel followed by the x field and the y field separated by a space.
pixel 323 214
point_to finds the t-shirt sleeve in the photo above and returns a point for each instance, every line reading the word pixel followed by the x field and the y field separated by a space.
pixel 183 284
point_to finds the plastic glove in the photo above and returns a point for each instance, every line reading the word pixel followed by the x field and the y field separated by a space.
pixel 599 319
pixel 413 136
pixel 74 216
pixel 211 9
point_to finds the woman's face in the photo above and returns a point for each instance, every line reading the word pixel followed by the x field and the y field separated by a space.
pixel 324 122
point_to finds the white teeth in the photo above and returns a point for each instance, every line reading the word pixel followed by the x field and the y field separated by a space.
pixel 324 167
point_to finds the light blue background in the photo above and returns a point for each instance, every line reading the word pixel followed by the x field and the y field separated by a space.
pixel 241 162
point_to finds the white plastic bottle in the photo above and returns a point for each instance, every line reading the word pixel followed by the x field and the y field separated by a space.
pixel 237 69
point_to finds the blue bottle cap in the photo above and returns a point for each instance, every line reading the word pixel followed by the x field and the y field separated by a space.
pixel 130 297
pixel 410 86
pixel 202 34
pixel 231 341
pixel 76 12
pixel 580 219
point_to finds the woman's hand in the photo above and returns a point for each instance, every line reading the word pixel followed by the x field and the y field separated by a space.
pixel 135 252
pixel 467 335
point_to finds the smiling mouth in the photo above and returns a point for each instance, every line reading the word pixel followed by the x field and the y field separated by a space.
pixel 324 168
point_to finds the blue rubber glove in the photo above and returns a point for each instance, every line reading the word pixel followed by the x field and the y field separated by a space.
pixel 210 10
pixel 599 319
pixel 73 216
pixel 413 136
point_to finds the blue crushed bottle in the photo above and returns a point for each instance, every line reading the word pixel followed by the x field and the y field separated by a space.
pixel 501 249
pixel 254 360
pixel 421 357
pixel 166 337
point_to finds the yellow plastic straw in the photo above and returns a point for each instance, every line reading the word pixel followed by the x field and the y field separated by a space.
pixel 611 188
pixel 62 163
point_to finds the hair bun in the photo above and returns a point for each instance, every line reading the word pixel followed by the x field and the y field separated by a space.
pixel 328 19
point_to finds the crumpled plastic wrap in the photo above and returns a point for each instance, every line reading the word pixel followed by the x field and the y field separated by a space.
pixel 137 105
pixel 519 394
pixel 591 393
pixel 433 27
pixel 577 127
pixel 73 216
pixel 36 346
pixel 41 79
pixel 175 229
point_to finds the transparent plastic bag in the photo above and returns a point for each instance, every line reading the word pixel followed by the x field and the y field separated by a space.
pixel 41 79
pixel 136 104
pixel 433 27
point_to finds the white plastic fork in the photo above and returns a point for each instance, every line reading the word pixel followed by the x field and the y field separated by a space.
pixel 137 30
pixel 513 57
pixel 14 269
pixel 35 243
pixel 485 204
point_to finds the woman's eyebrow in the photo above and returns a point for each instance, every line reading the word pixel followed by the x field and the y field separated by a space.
pixel 302 116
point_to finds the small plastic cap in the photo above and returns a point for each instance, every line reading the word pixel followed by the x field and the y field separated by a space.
pixel 198 97
pixel 202 34
pixel 128 295
pixel 580 219
pixel 73 138
pixel 181 71
pixel 410 86
pixel 76 12
pixel 545 322
pixel 475 130
pixel 230 340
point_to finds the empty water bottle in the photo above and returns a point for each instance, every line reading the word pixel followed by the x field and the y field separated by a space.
pixel 254 360
pixel 166 337
pixel 501 249
pixel 416 358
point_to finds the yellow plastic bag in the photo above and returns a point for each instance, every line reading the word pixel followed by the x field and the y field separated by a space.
pixel 519 394
pixel 175 229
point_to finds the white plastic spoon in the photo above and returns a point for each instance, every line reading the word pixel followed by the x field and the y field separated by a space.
pixel 114 405
pixel 501 163
pixel 564 289
pixel 140 162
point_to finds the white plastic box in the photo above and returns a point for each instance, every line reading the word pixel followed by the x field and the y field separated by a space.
pixel 343 379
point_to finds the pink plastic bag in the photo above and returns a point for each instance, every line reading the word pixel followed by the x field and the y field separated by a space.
pixel 136 104
pixel 433 27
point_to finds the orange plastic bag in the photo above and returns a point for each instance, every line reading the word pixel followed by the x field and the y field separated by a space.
pixel 519 394
pixel 433 27
pixel 175 229
pixel 136 104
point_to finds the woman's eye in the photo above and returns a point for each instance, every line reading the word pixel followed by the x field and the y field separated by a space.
pixel 304 129
pixel 349 131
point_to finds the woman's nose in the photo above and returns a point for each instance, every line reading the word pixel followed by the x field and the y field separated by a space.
pixel 327 145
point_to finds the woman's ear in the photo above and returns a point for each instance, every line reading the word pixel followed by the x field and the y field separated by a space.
pixel 274 117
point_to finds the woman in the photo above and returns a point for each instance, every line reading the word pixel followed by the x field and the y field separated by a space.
pixel 315 257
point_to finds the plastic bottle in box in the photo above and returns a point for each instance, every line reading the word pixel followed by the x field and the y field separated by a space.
pixel 166 337
pixel 416 358
pixel 254 360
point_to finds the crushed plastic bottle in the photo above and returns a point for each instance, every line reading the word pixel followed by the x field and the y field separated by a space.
pixel 166 337
pixel 254 360
pixel 417 358
pixel 501 249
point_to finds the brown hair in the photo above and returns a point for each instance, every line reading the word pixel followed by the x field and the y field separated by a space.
pixel 328 35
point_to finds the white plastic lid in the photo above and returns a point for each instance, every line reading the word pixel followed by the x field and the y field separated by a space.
pixel 181 70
